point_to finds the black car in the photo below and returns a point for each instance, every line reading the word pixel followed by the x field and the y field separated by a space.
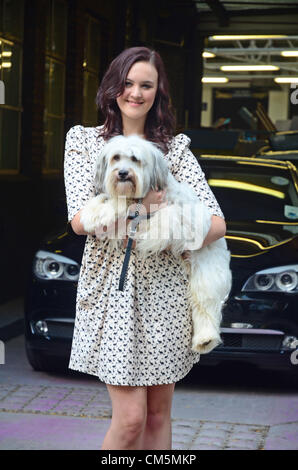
pixel 281 146
pixel 260 318
pixel 290 155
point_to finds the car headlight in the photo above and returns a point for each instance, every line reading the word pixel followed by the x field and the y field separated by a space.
pixel 49 265
pixel 279 279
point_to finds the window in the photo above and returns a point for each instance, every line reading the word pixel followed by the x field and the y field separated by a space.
pixel 56 36
pixel 11 47
pixel 91 67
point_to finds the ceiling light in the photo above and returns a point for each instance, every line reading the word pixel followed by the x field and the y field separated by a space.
pixel 286 79
pixel 289 53
pixel 208 55
pixel 246 36
pixel 246 68
pixel 215 80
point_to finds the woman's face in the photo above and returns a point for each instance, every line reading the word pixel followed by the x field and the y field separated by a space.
pixel 140 90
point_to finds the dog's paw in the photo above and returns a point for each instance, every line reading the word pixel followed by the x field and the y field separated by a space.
pixel 106 214
pixel 89 219
pixel 98 211
pixel 205 343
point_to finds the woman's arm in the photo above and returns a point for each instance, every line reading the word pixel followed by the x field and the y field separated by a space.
pixel 186 168
pixel 216 231
pixel 77 225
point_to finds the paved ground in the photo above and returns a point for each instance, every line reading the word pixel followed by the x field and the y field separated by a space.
pixel 72 411
pixel 45 417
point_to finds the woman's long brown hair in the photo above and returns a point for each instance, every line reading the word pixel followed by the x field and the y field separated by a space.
pixel 160 122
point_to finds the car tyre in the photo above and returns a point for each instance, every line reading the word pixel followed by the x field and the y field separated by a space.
pixel 291 378
pixel 42 363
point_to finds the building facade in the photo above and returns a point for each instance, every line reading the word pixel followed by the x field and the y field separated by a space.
pixel 53 54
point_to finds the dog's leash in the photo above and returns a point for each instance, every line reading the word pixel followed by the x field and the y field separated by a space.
pixel 135 220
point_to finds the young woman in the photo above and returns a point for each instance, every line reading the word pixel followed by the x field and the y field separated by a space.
pixel 138 342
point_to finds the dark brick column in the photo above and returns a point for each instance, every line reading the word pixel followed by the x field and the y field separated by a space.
pixel 74 64
pixel 193 74
pixel 33 87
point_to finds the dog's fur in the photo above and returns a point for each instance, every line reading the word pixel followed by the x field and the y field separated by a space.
pixel 127 168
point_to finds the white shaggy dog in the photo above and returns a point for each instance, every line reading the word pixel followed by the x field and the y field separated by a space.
pixel 127 168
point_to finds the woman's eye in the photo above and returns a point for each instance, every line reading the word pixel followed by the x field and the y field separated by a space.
pixel 146 86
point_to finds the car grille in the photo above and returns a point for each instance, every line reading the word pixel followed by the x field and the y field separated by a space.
pixel 243 341
pixel 251 342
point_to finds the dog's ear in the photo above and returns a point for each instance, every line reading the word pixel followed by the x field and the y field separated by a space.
pixel 101 168
pixel 160 171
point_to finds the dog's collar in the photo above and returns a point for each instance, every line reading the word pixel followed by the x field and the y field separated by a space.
pixel 137 212
pixel 141 217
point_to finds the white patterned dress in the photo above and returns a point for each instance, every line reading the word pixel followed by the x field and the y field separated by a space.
pixel 141 336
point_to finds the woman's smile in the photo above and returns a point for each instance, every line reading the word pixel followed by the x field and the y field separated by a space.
pixel 135 103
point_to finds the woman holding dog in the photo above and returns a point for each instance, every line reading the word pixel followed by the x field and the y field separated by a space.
pixel 138 342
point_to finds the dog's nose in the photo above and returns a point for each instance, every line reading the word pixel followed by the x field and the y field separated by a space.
pixel 123 174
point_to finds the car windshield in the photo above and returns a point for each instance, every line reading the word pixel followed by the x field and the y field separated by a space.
pixel 255 193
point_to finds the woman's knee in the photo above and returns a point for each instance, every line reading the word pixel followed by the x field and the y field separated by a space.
pixel 156 419
pixel 159 406
pixel 131 423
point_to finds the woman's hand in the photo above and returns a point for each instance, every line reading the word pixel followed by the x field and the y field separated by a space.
pixel 152 202
pixel 186 255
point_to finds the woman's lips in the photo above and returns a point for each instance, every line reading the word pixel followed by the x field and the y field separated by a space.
pixel 135 103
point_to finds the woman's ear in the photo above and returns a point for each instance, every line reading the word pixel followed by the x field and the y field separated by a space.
pixel 101 168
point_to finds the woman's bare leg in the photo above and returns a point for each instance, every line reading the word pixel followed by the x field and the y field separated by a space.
pixel 129 405
pixel 158 431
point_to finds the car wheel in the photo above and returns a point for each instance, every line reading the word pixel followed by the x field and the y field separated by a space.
pixel 291 378
pixel 40 362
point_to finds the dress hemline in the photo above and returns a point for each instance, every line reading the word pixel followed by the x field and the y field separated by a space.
pixel 104 380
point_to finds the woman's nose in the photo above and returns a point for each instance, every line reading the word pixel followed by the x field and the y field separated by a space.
pixel 136 91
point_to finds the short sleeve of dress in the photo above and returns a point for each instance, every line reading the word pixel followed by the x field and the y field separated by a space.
pixel 78 171
pixel 186 168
